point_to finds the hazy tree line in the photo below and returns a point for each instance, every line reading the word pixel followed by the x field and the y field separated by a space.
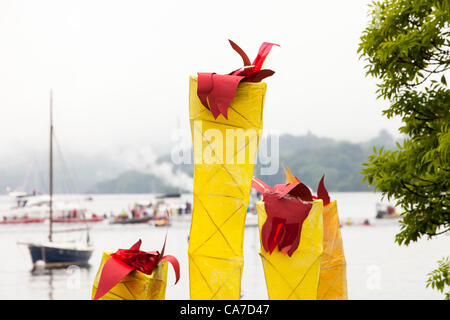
pixel 308 156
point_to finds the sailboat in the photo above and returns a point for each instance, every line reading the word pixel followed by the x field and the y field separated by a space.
pixel 58 253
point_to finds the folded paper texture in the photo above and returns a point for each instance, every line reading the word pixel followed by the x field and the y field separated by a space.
pixel 136 285
pixel 221 191
pixel 245 110
pixel 333 277
pixel 295 277
pixel 217 91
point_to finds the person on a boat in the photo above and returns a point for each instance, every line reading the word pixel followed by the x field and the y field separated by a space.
pixel 367 222
pixel 133 211
pixel 349 222
pixel 390 210
pixel 162 222
pixel 187 210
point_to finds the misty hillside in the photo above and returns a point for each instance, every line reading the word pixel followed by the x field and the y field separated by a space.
pixel 73 172
pixel 133 182
pixel 309 157
pixel 139 171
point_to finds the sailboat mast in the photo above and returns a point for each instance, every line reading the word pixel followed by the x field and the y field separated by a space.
pixel 50 238
pixel 179 132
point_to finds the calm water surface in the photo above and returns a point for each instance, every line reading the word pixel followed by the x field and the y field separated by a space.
pixel 377 268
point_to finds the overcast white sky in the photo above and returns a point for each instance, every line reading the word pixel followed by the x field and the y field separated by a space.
pixel 119 69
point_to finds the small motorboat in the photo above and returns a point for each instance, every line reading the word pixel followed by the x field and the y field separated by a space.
pixel 162 222
pixel 21 220
pixel 349 222
pixel 169 195
pixel 121 220
pixel 386 212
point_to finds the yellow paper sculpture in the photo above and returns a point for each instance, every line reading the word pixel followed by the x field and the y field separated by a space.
pixel 136 285
pixel 224 154
pixel 295 277
pixel 333 277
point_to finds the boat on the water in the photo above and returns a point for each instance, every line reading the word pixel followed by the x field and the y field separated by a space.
pixel 169 195
pixel 162 222
pixel 36 208
pixel 386 212
pixel 22 220
pixel 53 253
pixel 60 254
pixel 78 220
pixel 120 220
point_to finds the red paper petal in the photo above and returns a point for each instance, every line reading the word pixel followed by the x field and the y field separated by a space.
pixel 301 191
pixel 176 266
pixel 291 238
pixel 290 212
pixel 204 87
pixel 322 192
pixel 269 232
pixel 164 245
pixel 113 271
pixel 294 189
pixel 217 91
pixel 262 55
pixel 260 186
pixel 136 246
pixel 259 76
pixel 278 235
pixel 241 52
pixel 284 189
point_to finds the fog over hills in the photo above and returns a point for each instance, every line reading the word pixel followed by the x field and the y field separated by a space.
pixel 132 169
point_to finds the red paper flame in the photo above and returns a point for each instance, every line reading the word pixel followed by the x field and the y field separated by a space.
pixel 322 192
pixel 287 206
pixel 123 261
pixel 286 209
pixel 216 91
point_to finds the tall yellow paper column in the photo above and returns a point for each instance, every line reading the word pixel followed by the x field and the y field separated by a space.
pixel 224 155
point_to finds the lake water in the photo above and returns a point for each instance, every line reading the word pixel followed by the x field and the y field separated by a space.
pixel 377 268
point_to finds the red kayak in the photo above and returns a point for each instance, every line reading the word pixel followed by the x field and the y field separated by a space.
pixel 25 220
pixel 77 220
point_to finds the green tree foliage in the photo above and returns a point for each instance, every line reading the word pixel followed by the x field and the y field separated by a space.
pixel 440 278
pixel 407 47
